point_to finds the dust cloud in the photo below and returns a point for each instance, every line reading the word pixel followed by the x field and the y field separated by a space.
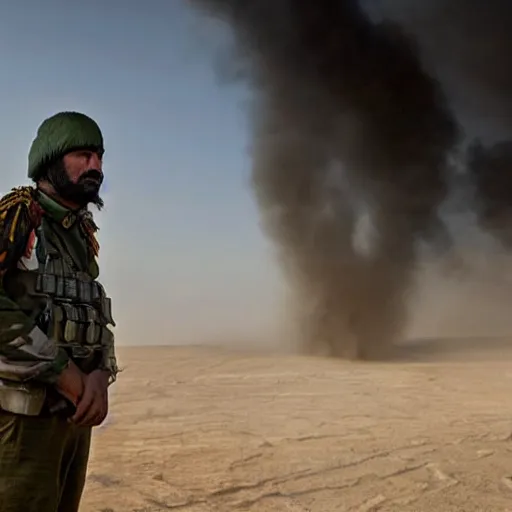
pixel 356 128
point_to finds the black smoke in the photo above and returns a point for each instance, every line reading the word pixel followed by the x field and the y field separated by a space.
pixel 348 110
pixel 490 169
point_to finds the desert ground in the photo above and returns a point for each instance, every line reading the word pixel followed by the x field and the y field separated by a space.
pixel 217 430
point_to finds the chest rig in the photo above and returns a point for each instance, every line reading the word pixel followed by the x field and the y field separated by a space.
pixel 78 310
pixel 74 309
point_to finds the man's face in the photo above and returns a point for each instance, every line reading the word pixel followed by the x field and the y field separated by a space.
pixel 84 166
pixel 78 177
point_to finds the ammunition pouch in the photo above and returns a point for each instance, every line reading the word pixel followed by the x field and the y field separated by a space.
pixel 76 291
pixel 80 327
pixel 80 313
pixel 69 306
pixel 76 308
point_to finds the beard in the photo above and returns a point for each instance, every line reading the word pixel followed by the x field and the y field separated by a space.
pixel 83 192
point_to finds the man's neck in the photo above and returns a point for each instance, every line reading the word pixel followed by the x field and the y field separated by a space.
pixel 50 191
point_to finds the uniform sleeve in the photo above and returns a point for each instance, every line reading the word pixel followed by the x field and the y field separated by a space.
pixel 25 351
pixel 109 360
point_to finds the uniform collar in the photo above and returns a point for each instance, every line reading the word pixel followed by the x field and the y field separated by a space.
pixel 58 212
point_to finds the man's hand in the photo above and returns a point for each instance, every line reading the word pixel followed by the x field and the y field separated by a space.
pixel 92 408
pixel 71 383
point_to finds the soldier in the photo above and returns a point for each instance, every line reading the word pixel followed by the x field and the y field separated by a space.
pixel 57 356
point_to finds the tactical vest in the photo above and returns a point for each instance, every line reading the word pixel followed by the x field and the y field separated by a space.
pixel 65 299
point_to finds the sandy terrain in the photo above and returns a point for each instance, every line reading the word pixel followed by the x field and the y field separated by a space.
pixel 205 430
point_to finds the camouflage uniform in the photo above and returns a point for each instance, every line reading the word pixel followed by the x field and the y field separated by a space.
pixel 52 309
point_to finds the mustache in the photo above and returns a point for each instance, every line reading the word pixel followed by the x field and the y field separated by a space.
pixel 94 174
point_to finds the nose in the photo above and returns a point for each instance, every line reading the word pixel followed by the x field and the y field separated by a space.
pixel 95 162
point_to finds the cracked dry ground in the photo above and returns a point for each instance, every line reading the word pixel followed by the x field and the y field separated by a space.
pixel 204 430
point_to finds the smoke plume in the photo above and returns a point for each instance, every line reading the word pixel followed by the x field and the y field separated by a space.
pixel 344 114
pixel 349 116
pixel 490 169
pixel 468 44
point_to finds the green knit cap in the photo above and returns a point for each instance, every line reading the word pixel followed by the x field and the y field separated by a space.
pixel 59 134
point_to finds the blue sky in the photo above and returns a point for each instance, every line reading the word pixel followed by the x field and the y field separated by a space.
pixel 182 253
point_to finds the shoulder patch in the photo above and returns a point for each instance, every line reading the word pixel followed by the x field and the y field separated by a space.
pixel 19 216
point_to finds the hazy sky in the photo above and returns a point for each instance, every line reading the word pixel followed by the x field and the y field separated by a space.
pixel 182 253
